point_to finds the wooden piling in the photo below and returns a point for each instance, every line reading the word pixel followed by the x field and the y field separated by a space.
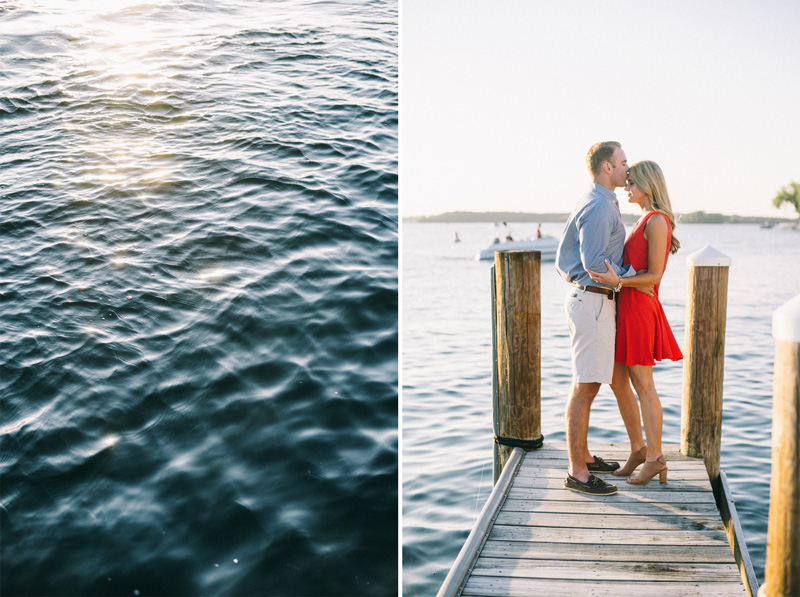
pixel 782 572
pixel 704 357
pixel 517 408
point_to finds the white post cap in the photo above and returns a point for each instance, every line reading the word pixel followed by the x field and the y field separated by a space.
pixel 786 321
pixel 706 256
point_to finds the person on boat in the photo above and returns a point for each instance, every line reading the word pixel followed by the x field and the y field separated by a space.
pixel 594 235
pixel 643 333
pixel 508 237
pixel 538 231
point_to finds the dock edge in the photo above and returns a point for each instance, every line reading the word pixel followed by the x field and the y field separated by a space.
pixel 459 573
pixel 733 528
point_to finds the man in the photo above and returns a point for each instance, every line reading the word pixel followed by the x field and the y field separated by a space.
pixel 594 232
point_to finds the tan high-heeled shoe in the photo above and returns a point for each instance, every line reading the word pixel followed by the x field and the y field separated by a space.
pixel 634 460
pixel 650 470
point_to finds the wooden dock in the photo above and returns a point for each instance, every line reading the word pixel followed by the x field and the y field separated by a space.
pixel 534 537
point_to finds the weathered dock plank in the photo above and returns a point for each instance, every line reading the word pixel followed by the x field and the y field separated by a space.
pixel 542 550
pixel 642 494
pixel 620 571
pixel 618 507
pixel 525 587
pixel 610 521
pixel 649 540
pixel 675 484
pixel 631 536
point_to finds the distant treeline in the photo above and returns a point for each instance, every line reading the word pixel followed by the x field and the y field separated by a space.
pixel 491 216
pixel 701 217
pixel 695 217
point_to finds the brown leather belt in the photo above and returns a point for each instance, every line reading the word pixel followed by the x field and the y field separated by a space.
pixel 606 291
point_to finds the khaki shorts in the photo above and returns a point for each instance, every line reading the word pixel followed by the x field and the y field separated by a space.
pixel 592 322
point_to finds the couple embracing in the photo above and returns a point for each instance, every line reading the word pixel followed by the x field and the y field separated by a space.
pixel 617 324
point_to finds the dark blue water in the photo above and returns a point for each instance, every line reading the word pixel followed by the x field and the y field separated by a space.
pixel 198 298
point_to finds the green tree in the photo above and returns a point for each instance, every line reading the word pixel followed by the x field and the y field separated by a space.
pixel 789 194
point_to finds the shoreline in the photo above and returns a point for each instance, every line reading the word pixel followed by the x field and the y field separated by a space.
pixel 488 217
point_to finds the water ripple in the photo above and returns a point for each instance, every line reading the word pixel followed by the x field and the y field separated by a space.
pixel 199 299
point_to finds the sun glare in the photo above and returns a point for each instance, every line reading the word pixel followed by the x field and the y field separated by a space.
pixel 215 274
pixel 118 50
pixel 99 6
pixel 109 35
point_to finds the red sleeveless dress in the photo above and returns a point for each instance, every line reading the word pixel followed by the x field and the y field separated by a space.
pixel 643 334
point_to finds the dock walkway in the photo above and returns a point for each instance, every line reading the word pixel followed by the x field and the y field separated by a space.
pixel 539 539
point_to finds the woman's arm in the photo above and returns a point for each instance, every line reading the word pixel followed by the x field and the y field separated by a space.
pixel 656 233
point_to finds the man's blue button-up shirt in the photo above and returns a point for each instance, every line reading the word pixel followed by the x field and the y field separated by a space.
pixel 594 232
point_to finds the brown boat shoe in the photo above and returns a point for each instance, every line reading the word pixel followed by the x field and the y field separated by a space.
pixel 593 486
pixel 601 466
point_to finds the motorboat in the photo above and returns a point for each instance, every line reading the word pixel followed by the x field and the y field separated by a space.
pixel 548 246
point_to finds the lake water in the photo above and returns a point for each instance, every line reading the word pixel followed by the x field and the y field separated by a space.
pixel 447 377
pixel 198 297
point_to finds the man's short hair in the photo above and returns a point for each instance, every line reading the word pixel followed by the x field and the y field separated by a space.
pixel 599 153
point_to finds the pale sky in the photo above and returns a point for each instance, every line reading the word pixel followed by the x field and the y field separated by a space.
pixel 500 101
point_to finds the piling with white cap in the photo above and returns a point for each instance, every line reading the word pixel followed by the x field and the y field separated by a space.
pixel 704 356
pixel 782 572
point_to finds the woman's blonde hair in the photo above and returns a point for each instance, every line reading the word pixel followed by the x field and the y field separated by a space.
pixel 650 179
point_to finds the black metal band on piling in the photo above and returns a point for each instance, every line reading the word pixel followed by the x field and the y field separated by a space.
pixel 525 444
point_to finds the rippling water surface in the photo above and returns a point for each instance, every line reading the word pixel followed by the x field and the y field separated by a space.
pixel 447 377
pixel 198 297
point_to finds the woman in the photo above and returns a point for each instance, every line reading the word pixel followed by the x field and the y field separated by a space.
pixel 643 334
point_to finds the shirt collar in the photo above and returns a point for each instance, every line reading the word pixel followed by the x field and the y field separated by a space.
pixel 607 193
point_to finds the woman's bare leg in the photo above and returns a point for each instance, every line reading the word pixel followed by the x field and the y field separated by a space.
pixel 628 407
pixel 652 413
